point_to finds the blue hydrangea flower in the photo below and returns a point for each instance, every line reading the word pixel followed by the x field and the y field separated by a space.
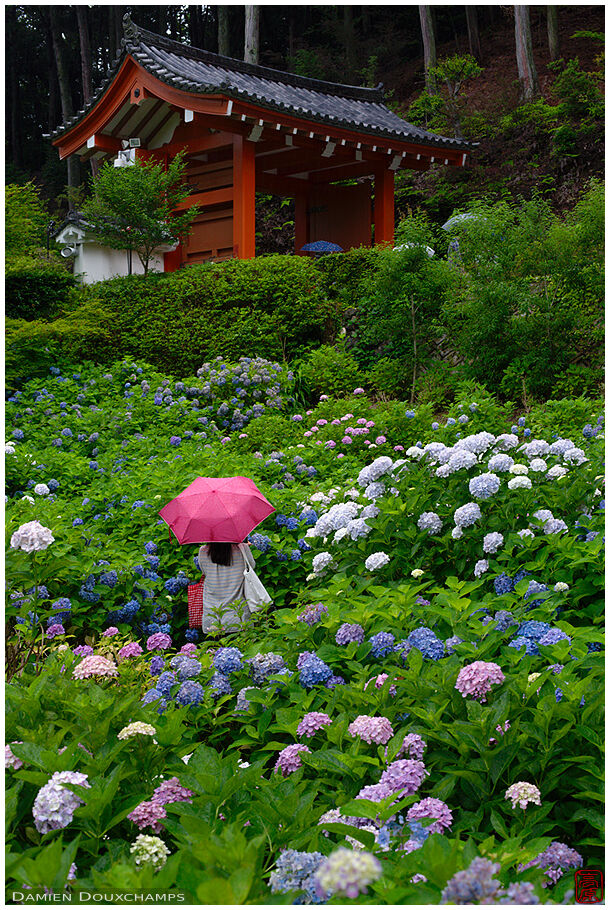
pixel 165 682
pixel 220 684
pixel 314 671
pixel 533 629
pixel 154 696
pixel 594 646
pixel 410 415
pixel 190 693
pixel 531 648
pixel 109 578
pixel 308 517
pixel 450 643
pixel 504 620
pixel 191 635
pixel 426 641
pixel 553 636
pixel 53 485
pixel 156 665
pixel 260 542
pixel 172 586
pixel 228 660
pixel 503 584
pixel 381 644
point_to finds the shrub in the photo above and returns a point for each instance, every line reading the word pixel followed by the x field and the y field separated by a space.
pixel 389 378
pixel 272 306
pixel 268 433
pixel 330 371
pixel 35 287
pixel 25 218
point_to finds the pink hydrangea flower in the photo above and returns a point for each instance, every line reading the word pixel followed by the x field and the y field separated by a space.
pixel 380 440
pixel 432 808
pixel 148 815
pixel 83 650
pixel 159 640
pixel 358 391
pixel 371 729
pixel 188 649
pixel 405 776
pixel 346 440
pixel 476 679
pixel 110 631
pixel 55 629
pixel 312 722
pixel 172 791
pixel 379 681
pixel 413 746
pixel 523 793
pixel 131 649
pixel 501 730
pixel 361 421
pixel 288 760
pixel 95 665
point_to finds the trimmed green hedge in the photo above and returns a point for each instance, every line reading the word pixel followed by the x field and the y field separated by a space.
pixel 274 306
pixel 35 288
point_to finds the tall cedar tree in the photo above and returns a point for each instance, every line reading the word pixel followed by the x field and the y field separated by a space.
pixel 133 208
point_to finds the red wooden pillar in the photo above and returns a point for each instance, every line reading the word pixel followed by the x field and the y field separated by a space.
pixel 173 260
pixel 301 222
pixel 243 197
pixel 384 206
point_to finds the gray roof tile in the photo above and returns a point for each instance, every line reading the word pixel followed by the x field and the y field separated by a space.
pixel 347 106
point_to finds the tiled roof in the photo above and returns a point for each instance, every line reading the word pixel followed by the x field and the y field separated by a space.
pixel 193 70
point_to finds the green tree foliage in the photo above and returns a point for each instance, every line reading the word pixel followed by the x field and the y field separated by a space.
pixel 25 219
pixel 132 208
pixel 444 109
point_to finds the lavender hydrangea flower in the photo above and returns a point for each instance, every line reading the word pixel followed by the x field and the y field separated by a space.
pixel 412 745
pixel 148 815
pixel 312 722
pixel 312 614
pixel 349 632
pixel 381 644
pixel 288 760
pixel 371 729
pixel 476 679
pixel 522 793
pixel 435 809
pixel 54 805
pixel 555 860
pixel 264 665
pixel 474 885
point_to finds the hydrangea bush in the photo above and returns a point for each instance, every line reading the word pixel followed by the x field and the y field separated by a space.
pixel 406 726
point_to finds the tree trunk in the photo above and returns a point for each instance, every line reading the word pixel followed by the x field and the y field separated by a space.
pixel 474 42
pixel 223 31
pixel 552 27
pixel 64 92
pixel 85 51
pixel 251 34
pixel 427 34
pixel 13 98
pixel 528 77
pixel 349 40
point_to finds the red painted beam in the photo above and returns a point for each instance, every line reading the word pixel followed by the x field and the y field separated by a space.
pixel 243 197
pixel 211 197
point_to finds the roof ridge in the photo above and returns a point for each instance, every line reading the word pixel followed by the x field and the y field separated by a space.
pixel 135 35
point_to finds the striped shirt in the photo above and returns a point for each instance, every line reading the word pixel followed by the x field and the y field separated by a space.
pixel 223 585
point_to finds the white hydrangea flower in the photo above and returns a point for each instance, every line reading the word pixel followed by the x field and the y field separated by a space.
pixel 461 460
pixel 375 470
pixel 357 528
pixel 500 462
pixel 543 514
pixel 575 456
pixel 353 493
pixel 480 568
pixel 41 489
pixel 492 542
pixel 535 448
pixel 27 498
pixel 557 471
pixel 9 449
pixel 148 849
pixel 483 486
pixel 477 443
pixel 443 470
pixel 520 483
pixel 457 532
pixel 414 452
pixel 340 534
pixel 467 515
pixel 519 469
pixel 136 728
pixel 321 562
pixel 538 465
pixel 432 451
pixel 506 441
pixel 376 561
pixel 561 586
pixel 430 522
pixel 525 532
pixel 417 573
pixel 555 526
pixel 371 511
pixel 31 537
pixel 375 490
pixel 560 446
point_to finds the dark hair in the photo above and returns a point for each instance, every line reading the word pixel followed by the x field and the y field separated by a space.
pixel 221 553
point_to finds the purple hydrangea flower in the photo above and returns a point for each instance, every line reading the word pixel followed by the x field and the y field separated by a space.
pixel 288 760
pixel 348 633
pixel 312 614
pixel 432 808
pixel 55 804
pixel 312 722
pixel 371 729
pixel 148 815
pixel 158 640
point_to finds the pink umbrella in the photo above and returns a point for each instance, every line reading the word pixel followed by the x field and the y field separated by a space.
pixel 216 509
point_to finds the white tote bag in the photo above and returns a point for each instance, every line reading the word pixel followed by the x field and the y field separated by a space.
pixel 254 590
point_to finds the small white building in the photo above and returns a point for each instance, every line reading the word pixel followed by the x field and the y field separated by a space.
pixel 95 262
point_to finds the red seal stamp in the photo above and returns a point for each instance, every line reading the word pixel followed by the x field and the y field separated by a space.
pixel 589 886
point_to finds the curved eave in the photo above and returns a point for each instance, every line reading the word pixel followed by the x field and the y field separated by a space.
pixel 131 73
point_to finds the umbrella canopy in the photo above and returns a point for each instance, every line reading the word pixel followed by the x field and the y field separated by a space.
pixel 456 220
pixel 321 246
pixel 216 509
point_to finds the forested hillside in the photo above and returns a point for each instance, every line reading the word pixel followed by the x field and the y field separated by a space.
pixel 553 145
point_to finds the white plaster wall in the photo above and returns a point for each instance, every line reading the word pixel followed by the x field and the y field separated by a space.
pixel 95 263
